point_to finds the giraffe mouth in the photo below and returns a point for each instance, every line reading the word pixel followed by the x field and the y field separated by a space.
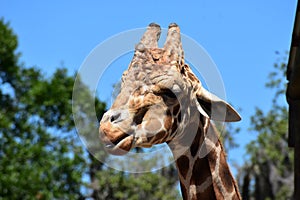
pixel 116 142
pixel 120 146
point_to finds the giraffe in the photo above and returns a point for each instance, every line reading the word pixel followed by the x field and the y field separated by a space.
pixel 162 101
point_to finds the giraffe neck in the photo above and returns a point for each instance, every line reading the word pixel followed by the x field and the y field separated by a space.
pixel 203 170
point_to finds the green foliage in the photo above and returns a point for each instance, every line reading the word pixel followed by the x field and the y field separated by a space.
pixel 8 59
pixel 270 162
pixel 39 155
pixel 134 186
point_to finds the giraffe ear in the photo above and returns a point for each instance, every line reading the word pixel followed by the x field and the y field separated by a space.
pixel 215 108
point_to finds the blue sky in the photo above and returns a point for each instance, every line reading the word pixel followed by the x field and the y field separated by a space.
pixel 240 36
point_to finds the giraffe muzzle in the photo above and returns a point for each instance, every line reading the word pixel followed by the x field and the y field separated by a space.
pixel 116 140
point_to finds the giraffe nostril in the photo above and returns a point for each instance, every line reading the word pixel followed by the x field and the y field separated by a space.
pixel 115 117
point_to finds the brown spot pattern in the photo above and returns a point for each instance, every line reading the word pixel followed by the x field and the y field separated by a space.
pixel 183 163
pixel 225 174
pixel 196 143
pixel 200 171
pixel 183 191
pixel 212 158
pixel 200 174
pixel 176 109
pixel 160 137
pixel 168 122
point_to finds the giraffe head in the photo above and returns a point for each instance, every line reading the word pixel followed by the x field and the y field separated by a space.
pixel 159 98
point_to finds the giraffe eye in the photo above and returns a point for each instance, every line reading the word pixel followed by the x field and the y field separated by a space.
pixel 167 93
